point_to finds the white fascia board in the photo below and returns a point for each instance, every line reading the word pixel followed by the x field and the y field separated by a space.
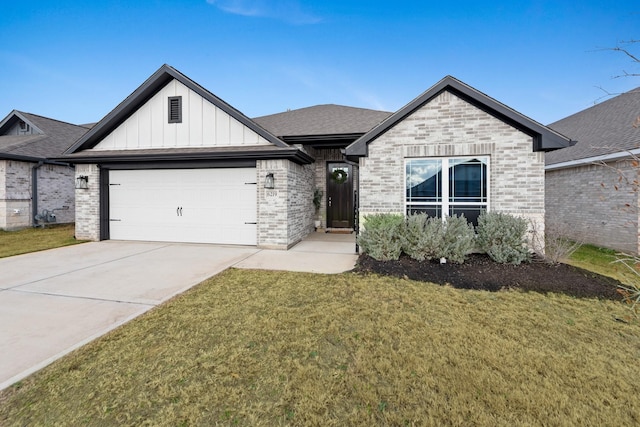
pixel 595 159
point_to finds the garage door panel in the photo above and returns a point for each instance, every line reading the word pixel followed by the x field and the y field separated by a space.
pixel 185 205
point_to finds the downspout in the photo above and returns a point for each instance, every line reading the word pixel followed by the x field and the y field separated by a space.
pixel 34 191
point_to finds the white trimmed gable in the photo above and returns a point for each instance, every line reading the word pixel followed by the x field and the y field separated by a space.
pixel 203 125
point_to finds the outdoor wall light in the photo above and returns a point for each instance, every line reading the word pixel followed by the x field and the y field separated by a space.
pixel 269 181
pixel 82 182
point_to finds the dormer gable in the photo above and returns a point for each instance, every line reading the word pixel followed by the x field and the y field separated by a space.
pixel 18 124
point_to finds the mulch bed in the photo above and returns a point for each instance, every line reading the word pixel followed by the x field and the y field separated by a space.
pixel 481 273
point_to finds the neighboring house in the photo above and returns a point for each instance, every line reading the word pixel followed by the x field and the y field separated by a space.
pixel 592 186
pixel 33 188
pixel 175 163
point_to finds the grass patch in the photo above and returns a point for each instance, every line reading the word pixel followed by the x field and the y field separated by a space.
pixel 36 239
pixel 601 261
pixel 274 348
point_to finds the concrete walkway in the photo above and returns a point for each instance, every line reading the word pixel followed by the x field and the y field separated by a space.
pixel 54 301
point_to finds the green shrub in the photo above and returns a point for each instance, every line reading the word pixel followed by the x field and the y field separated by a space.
pixel 458 239
pixel 430 238
pixel 503 237
pixel 381 237
pixel 423 237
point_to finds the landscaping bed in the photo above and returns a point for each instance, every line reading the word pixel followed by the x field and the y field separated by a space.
pixel 481 273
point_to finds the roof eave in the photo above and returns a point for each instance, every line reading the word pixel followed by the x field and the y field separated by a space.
pixel 293 154
pixel 33 159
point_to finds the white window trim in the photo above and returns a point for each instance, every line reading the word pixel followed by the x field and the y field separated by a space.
pixel 445 204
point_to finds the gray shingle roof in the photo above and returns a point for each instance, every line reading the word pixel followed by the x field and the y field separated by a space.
pixel 605 128
pixel 328 119
pixel 56 137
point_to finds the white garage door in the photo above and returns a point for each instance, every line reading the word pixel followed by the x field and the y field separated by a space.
pixel 184 205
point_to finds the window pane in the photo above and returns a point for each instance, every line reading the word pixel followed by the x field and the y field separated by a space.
pixel 424 180
pixel 471 213
pixel 432 210
pixel 467 180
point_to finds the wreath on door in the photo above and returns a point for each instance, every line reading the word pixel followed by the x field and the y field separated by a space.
pixel 339 176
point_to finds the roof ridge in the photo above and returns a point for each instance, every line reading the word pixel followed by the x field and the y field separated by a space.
pixel 49 118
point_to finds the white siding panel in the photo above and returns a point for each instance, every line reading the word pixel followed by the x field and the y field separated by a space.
pixel 222 128
pixel 203 124
pixel 195 119
pixel 236 134
pixel 170 129
pixel 144 126
pixel 208 124
pixel 131 130
pixel 156 109
pixel 183 130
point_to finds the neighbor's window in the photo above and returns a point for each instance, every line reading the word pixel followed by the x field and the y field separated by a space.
pixel 461 189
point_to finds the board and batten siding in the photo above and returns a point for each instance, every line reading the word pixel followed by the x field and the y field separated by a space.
pixel 203 125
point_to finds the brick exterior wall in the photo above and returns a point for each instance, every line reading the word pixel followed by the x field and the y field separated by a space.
pixel 88 204
pixel 583 202
pixel 448 126
pixel 15 194
pixel 285 214
pixel 55 190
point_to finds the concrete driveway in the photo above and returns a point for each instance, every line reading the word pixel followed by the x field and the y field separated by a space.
pixel 55 301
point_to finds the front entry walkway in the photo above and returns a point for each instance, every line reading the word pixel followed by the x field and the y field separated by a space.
pixel 328 253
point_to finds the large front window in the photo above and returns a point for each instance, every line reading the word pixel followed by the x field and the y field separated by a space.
pixel 461 189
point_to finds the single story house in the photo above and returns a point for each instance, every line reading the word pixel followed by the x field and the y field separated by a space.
pixel 593 186
pixel 34 189
pixel 173 162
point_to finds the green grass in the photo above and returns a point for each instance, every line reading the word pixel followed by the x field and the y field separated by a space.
pixel 601 261
pixel 258 348
pixel 36 239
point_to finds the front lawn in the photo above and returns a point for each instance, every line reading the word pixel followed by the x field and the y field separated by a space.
pixel 602 261
pixel 274 348
pixel 36 239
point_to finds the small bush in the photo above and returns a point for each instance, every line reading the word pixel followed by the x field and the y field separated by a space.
pixel 503 237
pixel 557 247
pixel 381 237
pixel 426 238
pixel 458 239
pixel 423 237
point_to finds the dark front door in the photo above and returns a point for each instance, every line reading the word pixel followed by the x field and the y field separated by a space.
pixel 339 195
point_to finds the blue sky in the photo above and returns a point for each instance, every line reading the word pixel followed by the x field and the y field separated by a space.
pixel 76 60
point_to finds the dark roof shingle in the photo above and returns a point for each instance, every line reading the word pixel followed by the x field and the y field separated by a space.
pixel 56 137
pixel 605 128
pixel 327 119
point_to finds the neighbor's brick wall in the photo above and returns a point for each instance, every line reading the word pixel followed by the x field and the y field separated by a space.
pixel 285 214
pixel 583 202
pixel 15 194
pixel 88 204
pixel 445 127
pixel 56 189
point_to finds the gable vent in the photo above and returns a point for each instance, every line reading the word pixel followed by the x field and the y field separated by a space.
pixel 175 109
